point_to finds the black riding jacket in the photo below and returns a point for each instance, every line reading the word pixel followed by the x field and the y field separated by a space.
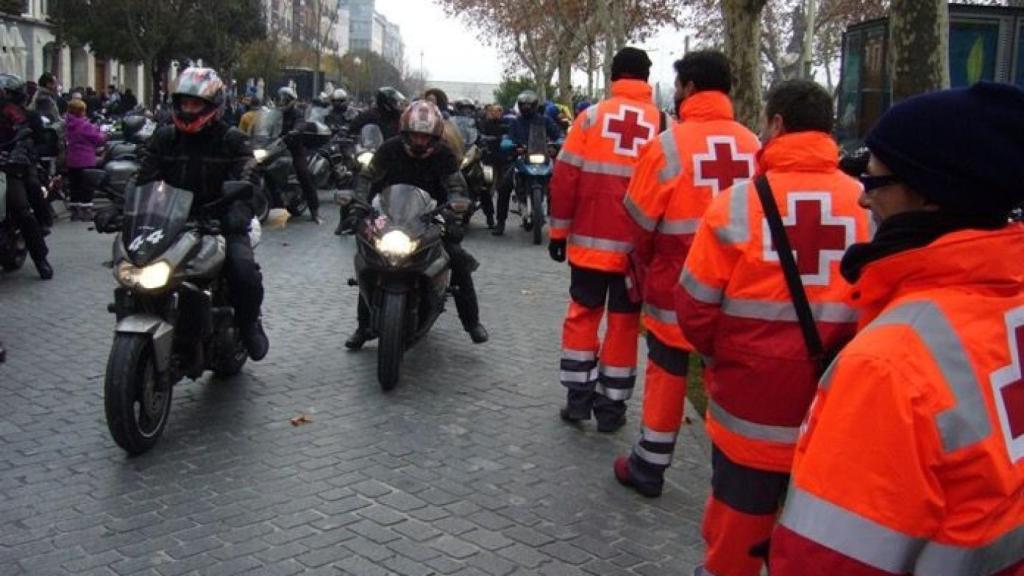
pixel 438 174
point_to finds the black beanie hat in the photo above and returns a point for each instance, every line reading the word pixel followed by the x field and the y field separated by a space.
pixel 961 149
pixel 631 63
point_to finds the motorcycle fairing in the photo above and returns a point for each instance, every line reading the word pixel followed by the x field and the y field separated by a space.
pixel 156 214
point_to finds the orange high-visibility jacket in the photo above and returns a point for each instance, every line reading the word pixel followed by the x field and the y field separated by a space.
pixel 734 307
pixel 593 171
pixel 912 457
pixel 679 173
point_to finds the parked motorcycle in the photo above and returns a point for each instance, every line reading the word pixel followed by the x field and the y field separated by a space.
pixel 12 244
pixel 173 313
pixel 402 270
pixel 533 167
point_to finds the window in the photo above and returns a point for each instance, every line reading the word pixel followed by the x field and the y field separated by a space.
pixel 972 52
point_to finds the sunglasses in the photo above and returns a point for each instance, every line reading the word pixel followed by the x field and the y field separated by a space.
pixel 870 182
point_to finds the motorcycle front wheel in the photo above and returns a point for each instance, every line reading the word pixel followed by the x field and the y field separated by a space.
pixel 261 205
pixel 391 346
pixel 537 216
pixel 136 408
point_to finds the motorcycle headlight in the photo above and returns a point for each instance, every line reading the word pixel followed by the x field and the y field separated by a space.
pixel 260 154
pixel 151 277
pixel 364 159
pixel 396 244
pixel 537 158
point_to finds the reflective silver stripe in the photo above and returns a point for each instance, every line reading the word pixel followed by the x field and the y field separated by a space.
pixel 600 243
pixel 638 215
pixel 967 422
pixel 985 560
pixel 673 167
pixel 775 311
pixel 559 222
pixel 607 168
pixel 738 228
pixel 589 117
pixel 680 226
pixel 700 291
pixel 825 382
pixel 616 371
pixel 575 376
pixel 570 158
pixel 659 437
pixel 850 534
pixel 652 457
pixel 613 393
pixel 660 314
pixel 753 430
pixel 578 355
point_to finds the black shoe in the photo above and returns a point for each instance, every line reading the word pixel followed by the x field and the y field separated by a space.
pixel 625 477
pixel 611 425
pixel 44 269
pixel 255 340
pixel 358 338
pixel 490 220
pixel 574 414
pixel 340 228
pixel 499 229
pixel 478 334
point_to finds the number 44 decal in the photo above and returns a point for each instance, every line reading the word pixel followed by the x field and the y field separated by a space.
pixel 153 238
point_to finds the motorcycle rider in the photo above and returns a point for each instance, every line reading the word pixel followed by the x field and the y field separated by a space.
pixel 386 114
pixel 528 105
pixel 418 157
pixel 294 121
pixel 17 139
pixel 199 152
pixel 340 115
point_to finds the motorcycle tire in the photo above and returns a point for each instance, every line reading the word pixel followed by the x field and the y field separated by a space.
pixel 391 346
pixel 297 207
pixel 261 205
pixel 13 256
pixel 231 355
pixel 136 412
pixel 537 214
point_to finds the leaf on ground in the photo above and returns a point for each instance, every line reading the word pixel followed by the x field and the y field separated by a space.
pixel 526 292
pixel 301 419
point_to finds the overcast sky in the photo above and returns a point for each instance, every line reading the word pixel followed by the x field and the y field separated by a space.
pixel 452 51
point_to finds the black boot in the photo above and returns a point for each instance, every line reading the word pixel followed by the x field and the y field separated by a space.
pixel 499 228
pixel 255 340
pixel 490 220
pixel 44 268
pixel 358 338
pixel 340 228
pixel 314 215
pixel 578 404
pixel 478 334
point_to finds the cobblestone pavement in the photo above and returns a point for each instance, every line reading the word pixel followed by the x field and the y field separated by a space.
pixel 464 469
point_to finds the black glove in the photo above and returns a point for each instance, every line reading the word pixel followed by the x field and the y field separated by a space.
pixel 556 248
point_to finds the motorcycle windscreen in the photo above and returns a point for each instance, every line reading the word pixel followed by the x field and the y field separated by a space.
pixel 468 130
pixel 317 114
pixel 269 124
pixel 370 137
pixel 155 215
pixel 404 205
pixel 538 143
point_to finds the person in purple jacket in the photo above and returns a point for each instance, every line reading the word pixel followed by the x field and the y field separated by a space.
pixel 82 140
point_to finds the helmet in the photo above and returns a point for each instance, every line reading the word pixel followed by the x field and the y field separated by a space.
pixel 12 88
pixel 205 85
pixel 131 125
pixel 390 100
pixel 339 97
pixel 424 119
pixel 527 103
pixel 286 95
pixel 465 107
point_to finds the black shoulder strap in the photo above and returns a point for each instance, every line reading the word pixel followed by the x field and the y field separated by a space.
pixel 796 287
pixel 663 125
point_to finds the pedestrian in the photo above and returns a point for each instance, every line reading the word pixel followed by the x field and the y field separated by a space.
pixel 679 174
pixel 46 101
pixel 590 226
pixel 82 140
pixel 735 308
pixel 128 101
pixel 912 457
pixel 248 119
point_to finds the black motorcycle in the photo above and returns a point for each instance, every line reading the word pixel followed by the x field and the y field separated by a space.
pixel 12 244
pixel 473 170
pixel 402 270
pixel 173 314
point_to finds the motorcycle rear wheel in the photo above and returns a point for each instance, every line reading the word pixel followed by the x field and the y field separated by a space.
pixel 136 410
pixel 261 205
pixel 14 254
pixel 537 218
pixel 391 346
pixel 297 207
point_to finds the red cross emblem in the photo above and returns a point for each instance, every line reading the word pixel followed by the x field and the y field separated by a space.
pixel 722 165
pixel 816 236
pixel 1008 387
pixel 628 130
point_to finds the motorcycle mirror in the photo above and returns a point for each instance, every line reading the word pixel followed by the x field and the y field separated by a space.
pixel 458 204
pixel 344 197
pixel 236 190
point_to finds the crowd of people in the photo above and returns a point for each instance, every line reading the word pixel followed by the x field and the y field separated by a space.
pixel 858 333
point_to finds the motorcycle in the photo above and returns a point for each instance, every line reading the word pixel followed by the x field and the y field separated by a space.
pixel 533 167
pixel 12 244
pixel 472 167
pixel 402 270
pixel 172 308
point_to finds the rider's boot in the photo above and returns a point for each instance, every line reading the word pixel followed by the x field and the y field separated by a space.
pixel 255 340
pixel 499 228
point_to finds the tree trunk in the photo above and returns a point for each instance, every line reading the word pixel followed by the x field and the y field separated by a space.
pixel 918 47
pixel 590 71
pixel 807 51
pixel 564 78
pixel 156 76
pixel 742 44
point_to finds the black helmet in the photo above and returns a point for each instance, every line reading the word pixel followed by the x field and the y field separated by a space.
pixel 465 107
pixel 131 125
pixel 390 100
pixel 12 88
pixel 527 103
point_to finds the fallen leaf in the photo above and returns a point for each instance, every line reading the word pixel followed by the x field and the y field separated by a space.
pixel 301 419
pixel 277 219
pixel 526 292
